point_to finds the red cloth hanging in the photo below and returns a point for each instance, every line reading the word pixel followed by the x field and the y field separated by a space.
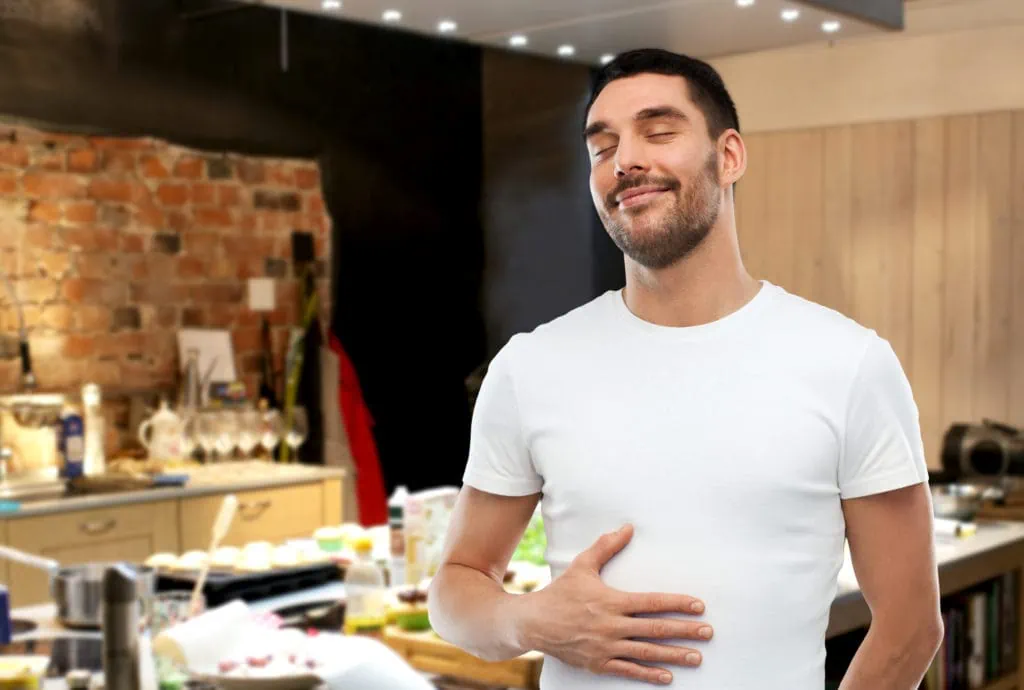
pixel 370 491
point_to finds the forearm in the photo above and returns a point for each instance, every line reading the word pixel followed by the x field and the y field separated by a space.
pixel 475 613
pixel 892 657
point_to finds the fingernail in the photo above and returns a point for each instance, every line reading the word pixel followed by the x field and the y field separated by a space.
pixel 697 607
pixel 705 632
pixel 665 678
pixel 693 658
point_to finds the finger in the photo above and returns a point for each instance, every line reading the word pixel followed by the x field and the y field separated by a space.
pixel 662 603
pixel 634 671
pixel 666 629
pixel 650 653
pixel 605 548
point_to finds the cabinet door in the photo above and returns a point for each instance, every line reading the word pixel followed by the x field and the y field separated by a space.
pixel 272 515
pixel 126 533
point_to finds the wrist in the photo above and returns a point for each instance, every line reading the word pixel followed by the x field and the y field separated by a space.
pixel 520 616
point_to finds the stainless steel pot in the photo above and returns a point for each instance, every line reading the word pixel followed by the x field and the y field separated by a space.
pixel 961 501
pixel 77 590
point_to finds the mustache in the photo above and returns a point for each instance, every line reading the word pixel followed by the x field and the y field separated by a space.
pixel 672 184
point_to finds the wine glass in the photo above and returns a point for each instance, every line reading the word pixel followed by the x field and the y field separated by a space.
pixel 270 430
pixel 249 431
pixel 298 429
pixel 227 432
pixel 206 434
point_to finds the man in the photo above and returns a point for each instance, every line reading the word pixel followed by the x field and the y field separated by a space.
pixel 703 442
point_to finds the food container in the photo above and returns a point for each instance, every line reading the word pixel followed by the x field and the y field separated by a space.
pixel 960 501
pixel 427 514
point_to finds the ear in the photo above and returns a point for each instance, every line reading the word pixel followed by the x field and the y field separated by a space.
pixel 732 157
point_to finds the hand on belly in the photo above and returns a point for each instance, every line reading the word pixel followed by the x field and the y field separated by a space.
pixel 584 623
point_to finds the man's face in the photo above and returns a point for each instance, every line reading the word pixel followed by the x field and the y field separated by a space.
pixel 654 169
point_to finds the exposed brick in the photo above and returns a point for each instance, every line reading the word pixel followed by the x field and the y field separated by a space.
pixel 246 340
pixel 218 168
pixel 251 362
pixel 152 167
pixel 83 161
pixel 213 218
pixel 178 221
pixel 120 344
pixel 150 216
pixel 126 318
pixel 229 196
pixel 213 293
pixel 115 216
pixel 56 317
pixel 8 182
pixel 201 243
pixel 191 267
pixel 159 293
pixel 167 317
pixel 189 167
pixel 54 264
pixel 203 193
pixel 44 185
pixel 315 203
pixel 167 242
pixel 133 244
pixel 221 315
pixel 242 245
pixel 307 178
pixel 321 268
pixel 124 144
pixel 15 155
pixel 93 290
pixel 154 267
pixel 247 267
pixel 192 317
pixel 280 174
pixel 172 194
pixel 118 162
pixel 45 159
pixel 92 319
pixel 122 191
pixel 250 171
pixel 59 373
pixel 44 212
pixel 275 268
pixel 91 239
pixel 37 290
pixel 40 236
pixel 97 265
pixel 80 212
pixel 79 346
pixel 248 319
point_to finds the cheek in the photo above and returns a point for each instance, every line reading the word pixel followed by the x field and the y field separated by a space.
pixel 601 183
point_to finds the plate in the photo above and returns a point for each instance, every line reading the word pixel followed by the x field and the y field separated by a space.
pixel 306 681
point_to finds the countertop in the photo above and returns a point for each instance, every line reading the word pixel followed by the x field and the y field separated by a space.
pixel 204 480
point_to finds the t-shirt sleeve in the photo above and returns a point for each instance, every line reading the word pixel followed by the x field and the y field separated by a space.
pixel 882 448
pixel 499 457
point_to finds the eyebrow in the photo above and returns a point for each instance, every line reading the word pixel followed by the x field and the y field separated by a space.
pixel 655 113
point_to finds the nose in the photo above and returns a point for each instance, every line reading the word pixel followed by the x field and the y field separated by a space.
pixel 630 158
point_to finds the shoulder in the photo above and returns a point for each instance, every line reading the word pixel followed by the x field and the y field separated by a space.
pixel 812 327
pixel 563 334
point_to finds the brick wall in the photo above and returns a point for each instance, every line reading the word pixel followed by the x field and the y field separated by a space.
pixel 113 244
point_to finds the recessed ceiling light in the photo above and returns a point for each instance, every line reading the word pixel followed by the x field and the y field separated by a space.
pixel 605 59
pixel 566 51
pixel 831 26
pixel 331 4
pixel 744 3
pixel 790 14
pixel 392 16
pixel 446 26
pixel 518 41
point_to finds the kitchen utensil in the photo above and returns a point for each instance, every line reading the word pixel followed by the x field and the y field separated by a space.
pixel 960 501
pixel 77 590
pixel 220 529
pixel 161 434
pixel 120 629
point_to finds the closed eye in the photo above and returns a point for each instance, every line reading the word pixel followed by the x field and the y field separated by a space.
pixel 661 136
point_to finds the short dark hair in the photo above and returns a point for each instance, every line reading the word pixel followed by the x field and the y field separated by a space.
pixel 707 90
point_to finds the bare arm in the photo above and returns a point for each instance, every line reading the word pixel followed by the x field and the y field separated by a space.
pixel 468 604
pixel 577 618
pixel 891 544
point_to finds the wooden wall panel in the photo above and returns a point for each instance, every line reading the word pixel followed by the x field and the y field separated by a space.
pixel 914 228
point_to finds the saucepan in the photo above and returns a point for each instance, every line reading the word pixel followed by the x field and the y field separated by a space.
pixel 77 590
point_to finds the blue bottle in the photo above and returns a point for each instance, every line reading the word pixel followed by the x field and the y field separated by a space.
pixel 71 444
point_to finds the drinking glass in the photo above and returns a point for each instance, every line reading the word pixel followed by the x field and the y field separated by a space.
pixel 206 434
pixel 298 429
pixel 227 432
pixel 249 431
pixel 270 430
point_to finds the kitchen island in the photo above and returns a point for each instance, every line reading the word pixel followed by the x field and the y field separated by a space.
pixel 276 502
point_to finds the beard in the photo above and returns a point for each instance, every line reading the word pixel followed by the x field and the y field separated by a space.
pixel 657 239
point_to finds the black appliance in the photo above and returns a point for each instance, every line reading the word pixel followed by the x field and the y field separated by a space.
pixel 987 451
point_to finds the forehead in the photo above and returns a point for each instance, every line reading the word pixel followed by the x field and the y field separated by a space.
pixel 623 98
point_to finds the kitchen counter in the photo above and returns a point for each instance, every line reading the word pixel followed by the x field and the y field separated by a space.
pixel 204 480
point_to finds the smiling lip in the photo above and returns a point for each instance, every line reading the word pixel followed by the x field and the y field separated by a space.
pixel 638 195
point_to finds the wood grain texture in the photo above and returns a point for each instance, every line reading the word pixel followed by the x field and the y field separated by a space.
pixel 915 229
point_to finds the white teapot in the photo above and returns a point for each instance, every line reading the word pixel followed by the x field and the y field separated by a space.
pixel 161 434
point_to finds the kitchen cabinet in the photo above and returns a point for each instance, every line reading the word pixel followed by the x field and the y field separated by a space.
pixel 129 533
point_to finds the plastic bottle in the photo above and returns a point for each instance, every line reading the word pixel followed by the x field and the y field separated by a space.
pixel 365 591
pixel 396 529
pixel 71 443
pixel 95 430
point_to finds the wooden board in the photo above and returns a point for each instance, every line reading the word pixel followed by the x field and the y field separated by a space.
pixel 427 652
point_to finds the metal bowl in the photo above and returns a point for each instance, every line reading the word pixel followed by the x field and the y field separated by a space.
pixel 78 592
pixel 959 501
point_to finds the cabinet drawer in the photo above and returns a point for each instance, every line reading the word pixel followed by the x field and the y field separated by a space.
pixel 127 533
pixel 265 515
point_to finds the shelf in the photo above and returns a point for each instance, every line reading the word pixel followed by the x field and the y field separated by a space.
pixel 1007 683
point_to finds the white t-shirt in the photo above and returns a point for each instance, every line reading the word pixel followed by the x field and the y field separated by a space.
pixel 728 446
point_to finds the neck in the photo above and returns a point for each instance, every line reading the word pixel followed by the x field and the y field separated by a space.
pixel 709 283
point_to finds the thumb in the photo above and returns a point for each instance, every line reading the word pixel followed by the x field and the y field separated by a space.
pixel 605 548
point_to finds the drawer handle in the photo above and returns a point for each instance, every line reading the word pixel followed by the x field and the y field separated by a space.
pixel 97 527
pixel 250 511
